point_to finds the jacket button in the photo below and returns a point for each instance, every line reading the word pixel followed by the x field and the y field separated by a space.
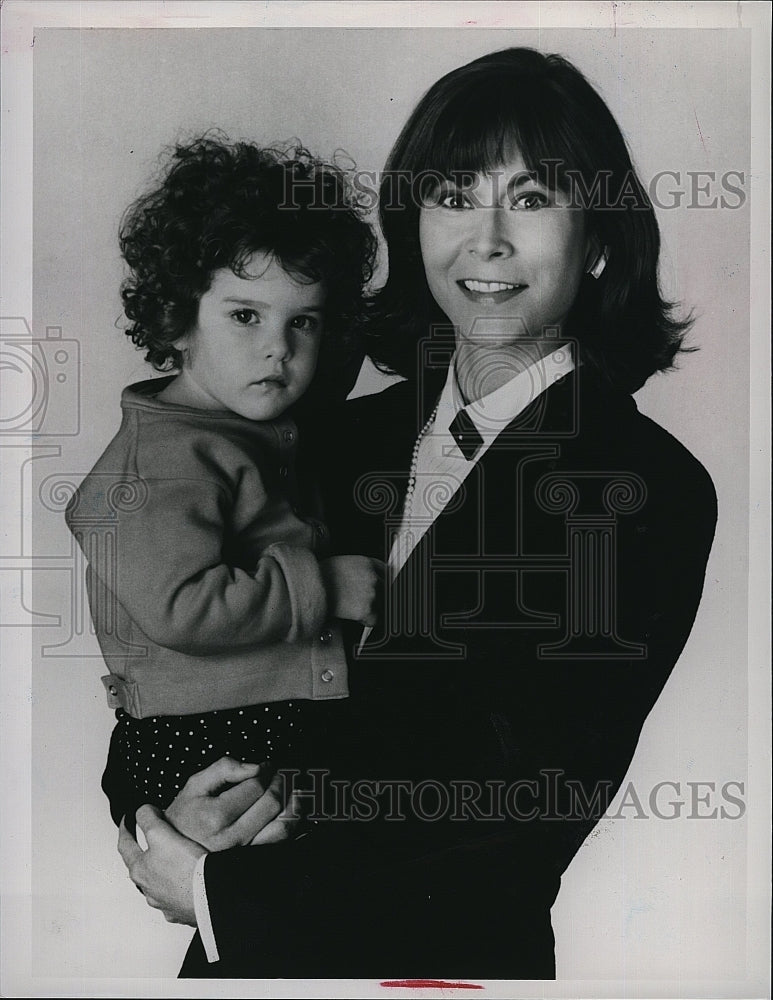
pixel 321 530
pixel 289 436
pixel 283 471
pixel 326 636
pixel 112 689
pixel 327 676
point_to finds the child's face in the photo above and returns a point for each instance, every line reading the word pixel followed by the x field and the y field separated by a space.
pixel 255 345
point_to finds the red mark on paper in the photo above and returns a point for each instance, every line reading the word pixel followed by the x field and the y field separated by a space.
pixel 431 984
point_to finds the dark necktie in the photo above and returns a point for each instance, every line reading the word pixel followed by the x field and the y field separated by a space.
pixel 466 434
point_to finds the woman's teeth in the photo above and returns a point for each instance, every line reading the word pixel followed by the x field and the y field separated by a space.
pixel 489 286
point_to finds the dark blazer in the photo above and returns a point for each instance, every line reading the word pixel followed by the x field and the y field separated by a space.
pixel 523 647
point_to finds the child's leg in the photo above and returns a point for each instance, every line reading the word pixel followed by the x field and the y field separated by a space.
pixel 117 786
pixel 151 759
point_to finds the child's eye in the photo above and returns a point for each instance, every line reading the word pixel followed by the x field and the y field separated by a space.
pixel 306 324
pixel 529 200
pixel 245 317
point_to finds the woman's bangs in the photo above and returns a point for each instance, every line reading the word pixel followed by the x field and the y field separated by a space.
pixel 485 131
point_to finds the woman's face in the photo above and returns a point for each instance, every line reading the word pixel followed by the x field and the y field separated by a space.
pixel 503 256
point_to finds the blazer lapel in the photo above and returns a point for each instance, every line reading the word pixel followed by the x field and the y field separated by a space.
pixel 539 429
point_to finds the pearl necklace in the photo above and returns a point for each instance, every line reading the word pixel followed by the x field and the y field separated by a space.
pixel 411 488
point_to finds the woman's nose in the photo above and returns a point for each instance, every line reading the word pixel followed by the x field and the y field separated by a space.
pixel 491 237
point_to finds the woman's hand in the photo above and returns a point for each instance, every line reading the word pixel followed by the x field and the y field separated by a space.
pixel 164 872
pixel 353 587
pixel 228 804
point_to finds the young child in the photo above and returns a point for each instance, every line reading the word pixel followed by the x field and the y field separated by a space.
pixel 216 612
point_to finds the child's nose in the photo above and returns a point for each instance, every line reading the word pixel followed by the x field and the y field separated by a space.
pixel 277 346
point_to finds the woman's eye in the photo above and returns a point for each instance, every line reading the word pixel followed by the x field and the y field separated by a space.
pixel 245 317
pixel 530 200
pixel 454 200
pixel 306 324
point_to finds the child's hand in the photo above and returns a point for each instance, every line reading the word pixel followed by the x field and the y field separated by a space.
pixel 353 585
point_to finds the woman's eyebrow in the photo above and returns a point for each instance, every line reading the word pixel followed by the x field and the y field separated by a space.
pixel 460 178
pixel 523 177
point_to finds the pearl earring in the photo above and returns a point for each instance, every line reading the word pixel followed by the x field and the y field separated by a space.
pixel 597 268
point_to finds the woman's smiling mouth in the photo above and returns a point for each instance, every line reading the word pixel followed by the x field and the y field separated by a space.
pixel 489 291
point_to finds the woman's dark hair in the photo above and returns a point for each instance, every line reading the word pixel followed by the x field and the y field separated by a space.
pixel 216 205
pixel 467 123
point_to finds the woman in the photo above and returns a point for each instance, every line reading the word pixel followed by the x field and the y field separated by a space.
pixel 547 545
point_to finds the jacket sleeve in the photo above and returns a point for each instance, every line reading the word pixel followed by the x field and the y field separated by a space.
pixel 169 573
pixel 586 720
pixel 334 903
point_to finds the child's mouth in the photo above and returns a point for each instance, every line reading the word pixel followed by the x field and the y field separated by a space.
pixel 272 381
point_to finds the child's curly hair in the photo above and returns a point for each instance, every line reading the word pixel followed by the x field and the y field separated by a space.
pixel 217 204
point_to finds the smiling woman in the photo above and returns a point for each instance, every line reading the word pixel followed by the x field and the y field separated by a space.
pixel 535 171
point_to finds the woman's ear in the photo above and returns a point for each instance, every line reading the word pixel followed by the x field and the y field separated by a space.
pixel 592 250
pixel 596 258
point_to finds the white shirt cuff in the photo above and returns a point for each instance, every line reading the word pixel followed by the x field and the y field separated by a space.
pixel 201 908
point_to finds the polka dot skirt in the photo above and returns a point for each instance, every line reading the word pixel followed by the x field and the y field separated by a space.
pixel 162 752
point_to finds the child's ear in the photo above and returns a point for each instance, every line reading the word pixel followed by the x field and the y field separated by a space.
pixel 183 346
